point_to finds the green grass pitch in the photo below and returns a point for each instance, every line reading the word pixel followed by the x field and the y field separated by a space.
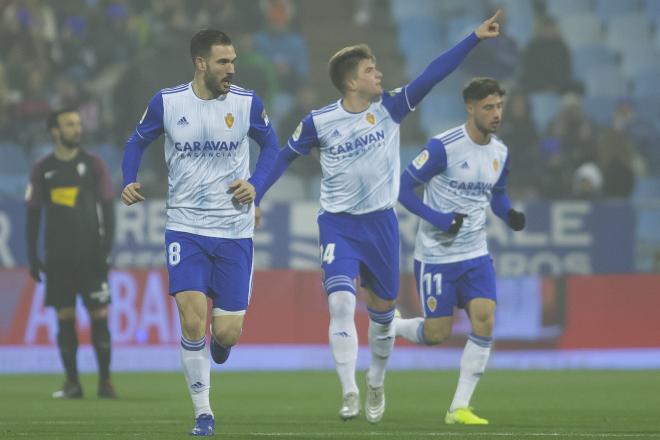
pixel 304 405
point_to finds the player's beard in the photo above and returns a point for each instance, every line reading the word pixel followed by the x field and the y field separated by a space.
pixel 487 129
pixel 216 87
pixel 71 143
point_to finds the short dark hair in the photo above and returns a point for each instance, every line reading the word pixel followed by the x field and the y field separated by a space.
pixel 479 88
pixel 53 117
pixel 202 41
pixel 346 61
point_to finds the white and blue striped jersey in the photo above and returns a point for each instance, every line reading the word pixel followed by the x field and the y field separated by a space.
pixel 359 153
pixel 206 148
pixel 459 176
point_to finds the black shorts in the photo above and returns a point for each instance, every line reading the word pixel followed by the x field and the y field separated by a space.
pixel 87 277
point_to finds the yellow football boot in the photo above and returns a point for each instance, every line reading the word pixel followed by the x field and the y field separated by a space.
pixel 464 416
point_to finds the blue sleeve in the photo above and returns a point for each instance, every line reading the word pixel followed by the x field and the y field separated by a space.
pixel 500 203
pixel 439 68
pixel 414 204
pixel 284 158
pixel 430 161
pixel 396 103
pixel 261 130
pixel 304 138
pixel 147 130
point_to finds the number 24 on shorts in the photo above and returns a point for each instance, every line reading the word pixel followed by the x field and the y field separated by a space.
pixel 328 254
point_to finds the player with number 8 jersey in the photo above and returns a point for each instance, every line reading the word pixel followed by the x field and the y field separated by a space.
pixel 210 211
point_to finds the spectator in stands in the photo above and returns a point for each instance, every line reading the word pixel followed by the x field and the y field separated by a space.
pixel 285 47
pixel 546 61
pixel 587 181
pixel 617 159
pixel 641 130
pixel 519 133
pixel 575 131
pixel 255 69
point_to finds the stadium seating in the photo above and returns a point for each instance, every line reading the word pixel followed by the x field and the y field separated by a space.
pixel 639 59
pixel 581 29
pixel 14 159
pixel 645 85
pixel 651 9
pixel 15 170
pixel 625 32
pixel 544 106
pixel 440 112
pixel 596 56
pixel 611 9
pixel 600 109
pixel 606 82
pixel 561 8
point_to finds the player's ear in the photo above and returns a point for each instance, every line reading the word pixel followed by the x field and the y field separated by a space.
pixel 200 63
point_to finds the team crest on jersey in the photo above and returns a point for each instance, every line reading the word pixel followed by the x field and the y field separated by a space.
pixel 421 159
pixel 371 118
pixel 297 132
pixel 229 120
pixel 81 168
pixel 431 303
pixel 264 116
pixel 496 165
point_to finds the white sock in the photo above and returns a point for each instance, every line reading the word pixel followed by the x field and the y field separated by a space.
pixel 197 371
pixel 343 338
pixel 473 364
pixel 409 329
pixel 381 341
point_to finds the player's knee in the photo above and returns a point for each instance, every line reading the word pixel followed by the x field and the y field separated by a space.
pixel 193 327
pixel 483 324
pixel 341 305
pixel 100 313
pixel 434 335
pixel 66 314
pixel 228 336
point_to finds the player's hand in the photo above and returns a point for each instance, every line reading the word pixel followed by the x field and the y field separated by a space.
pixel 243 191
pixel 131 195
pixel 257 217
pixel 456 223
pixel 36 267
pixel 489 28
pixel 516 220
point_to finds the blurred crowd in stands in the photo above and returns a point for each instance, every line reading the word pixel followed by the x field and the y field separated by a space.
pixel 582 109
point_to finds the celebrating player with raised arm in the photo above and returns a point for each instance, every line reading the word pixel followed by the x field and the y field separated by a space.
pixel 210 209
pixel 463 170
pixel 358 139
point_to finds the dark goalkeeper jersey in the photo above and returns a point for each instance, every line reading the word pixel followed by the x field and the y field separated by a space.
pixel 70 191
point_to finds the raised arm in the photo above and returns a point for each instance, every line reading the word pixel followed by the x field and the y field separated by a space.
pixel 448 61
pixel 430 162
pixel 147 130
